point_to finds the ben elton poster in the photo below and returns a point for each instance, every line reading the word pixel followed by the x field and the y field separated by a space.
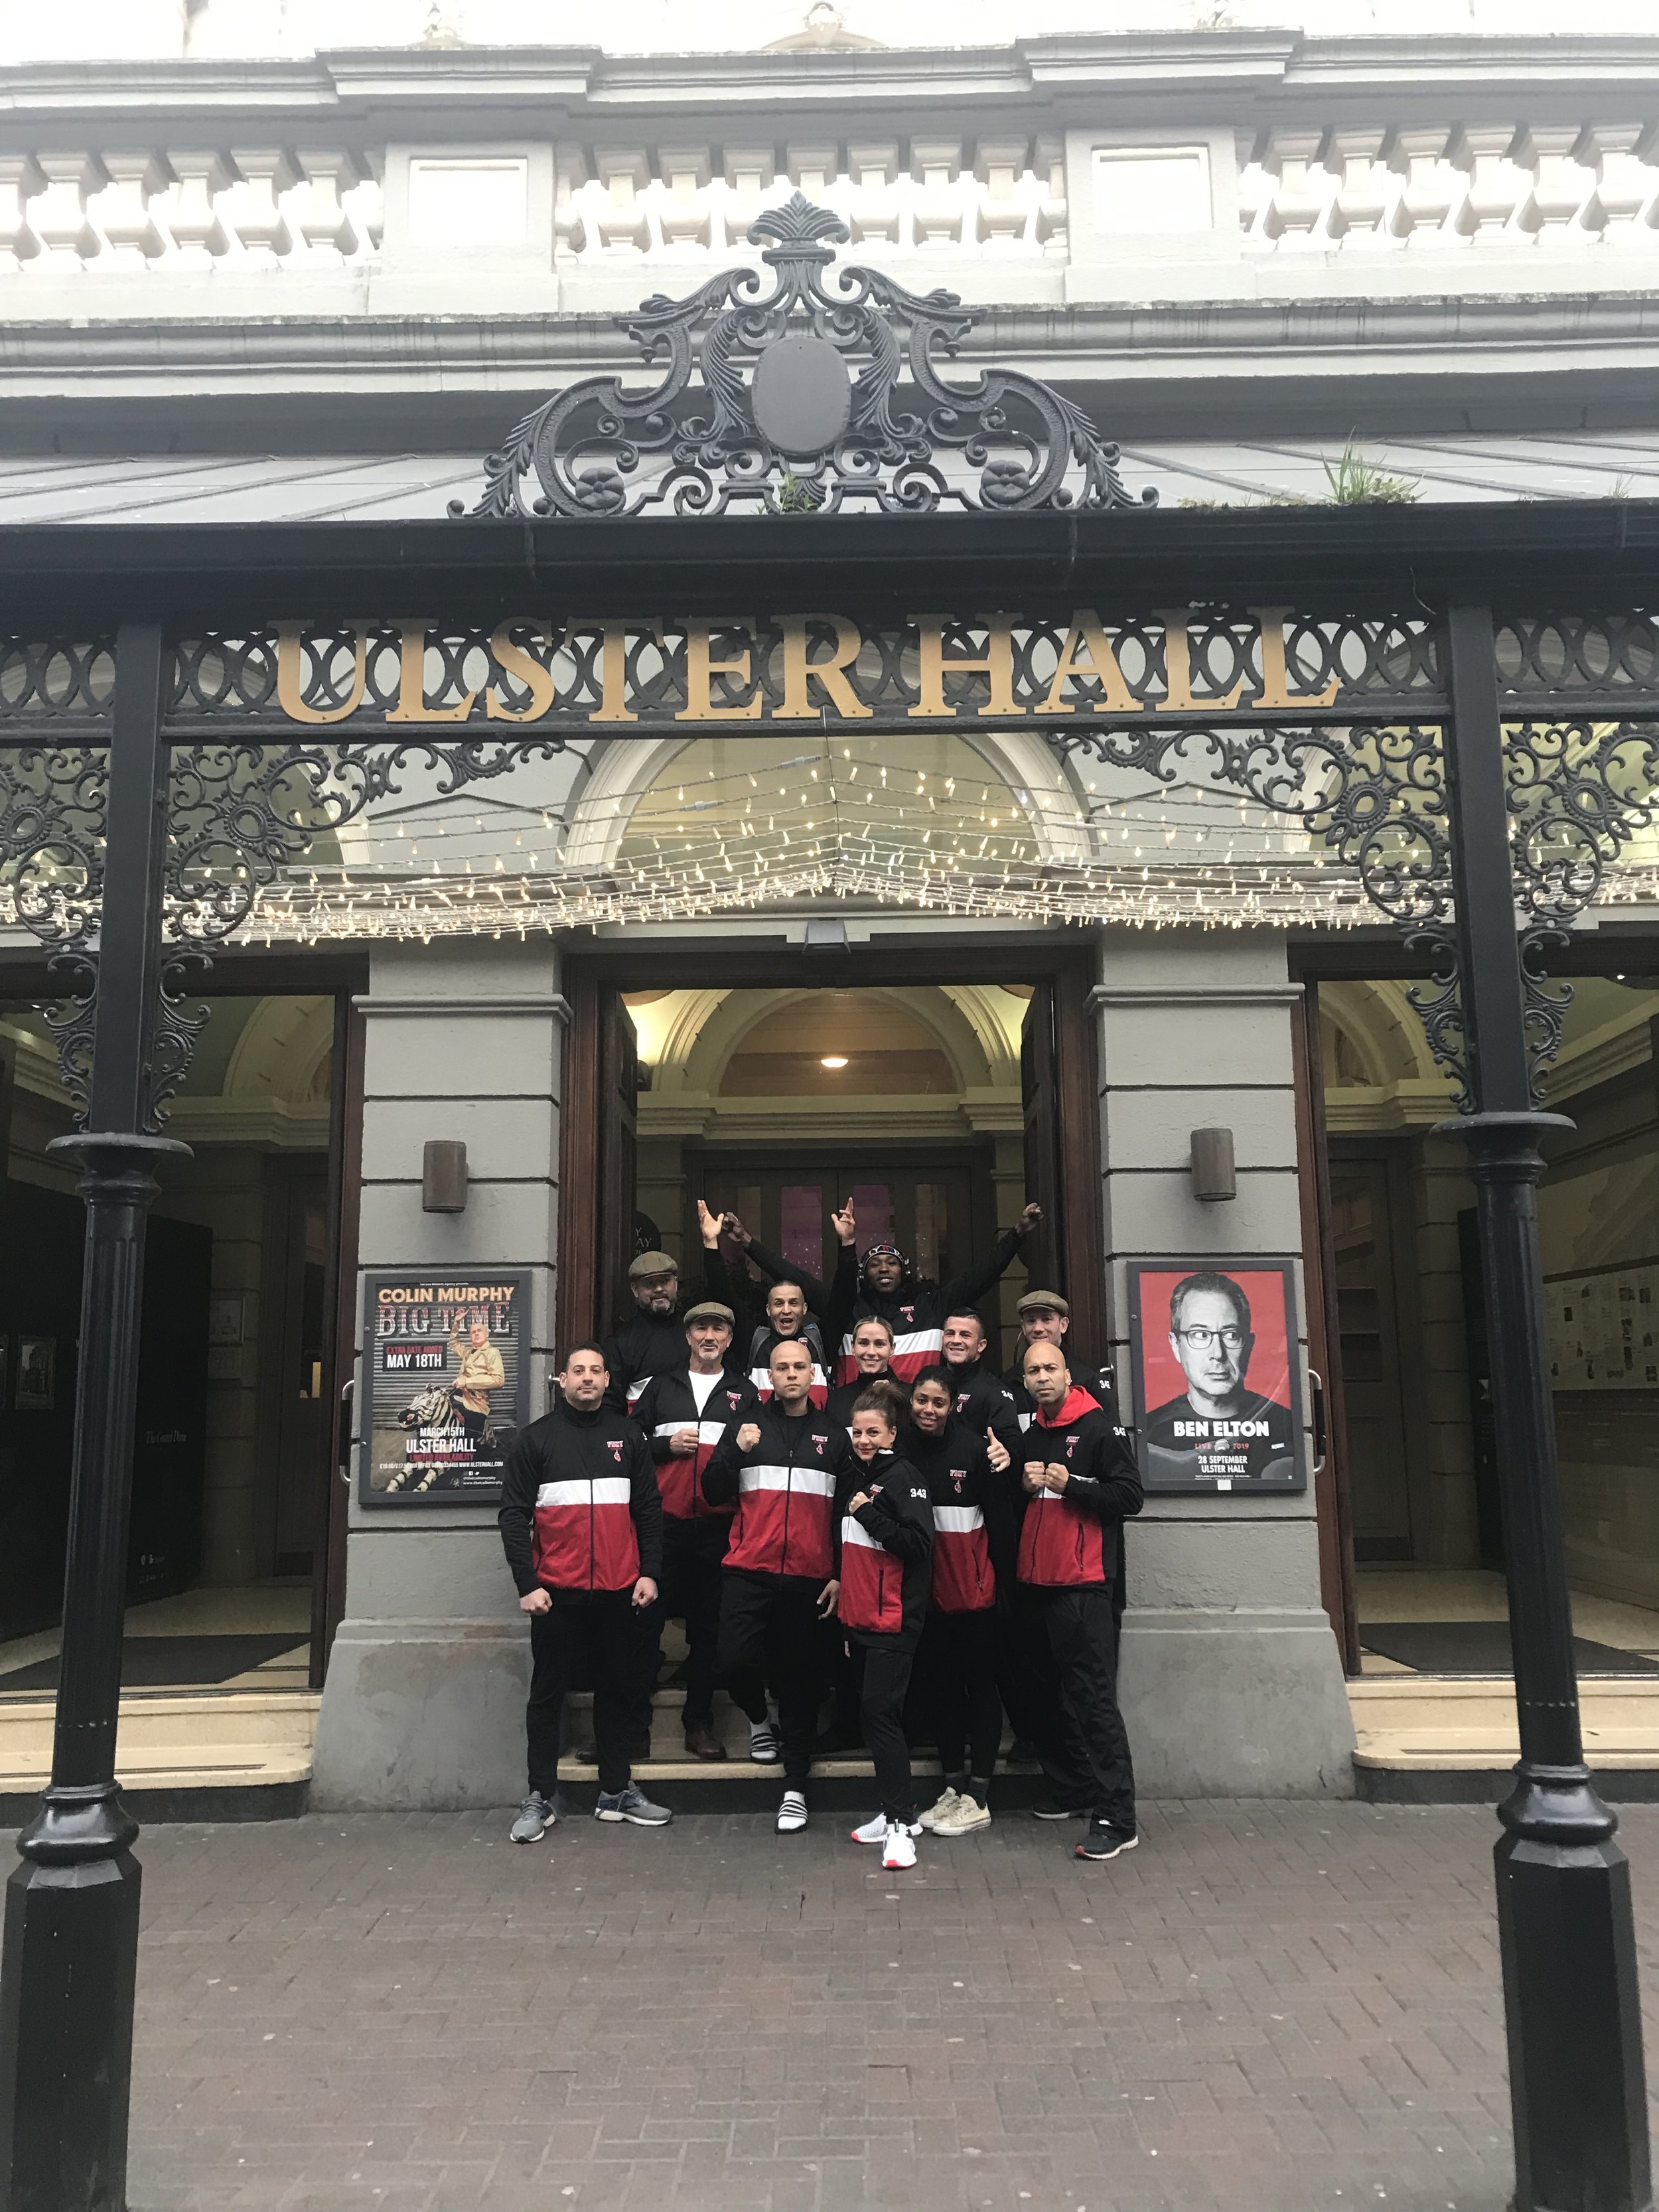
pixel 447 1370
pixel 1215 1376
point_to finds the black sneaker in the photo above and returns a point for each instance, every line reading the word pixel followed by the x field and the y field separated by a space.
pixel 1106 1841
pixel 1050 1808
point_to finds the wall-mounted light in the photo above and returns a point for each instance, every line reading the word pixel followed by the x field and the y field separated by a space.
pixel 443 1176
pixel 833 1060
pixel 1215 1173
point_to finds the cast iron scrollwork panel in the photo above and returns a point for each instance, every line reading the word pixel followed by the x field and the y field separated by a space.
pixel 807 410
pixel 1373 794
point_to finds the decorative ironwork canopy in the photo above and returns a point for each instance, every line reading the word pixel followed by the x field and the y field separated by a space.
pixel 809 409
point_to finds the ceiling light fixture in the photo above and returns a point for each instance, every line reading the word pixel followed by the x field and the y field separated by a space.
pixel 833 1060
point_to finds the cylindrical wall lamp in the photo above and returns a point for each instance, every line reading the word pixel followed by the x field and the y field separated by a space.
pixel 443 1176
pixel 1214 1175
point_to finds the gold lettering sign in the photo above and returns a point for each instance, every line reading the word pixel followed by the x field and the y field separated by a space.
pixel 595 673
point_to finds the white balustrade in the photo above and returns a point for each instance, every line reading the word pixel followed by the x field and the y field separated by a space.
pixel 1549 188
pixel 1477 188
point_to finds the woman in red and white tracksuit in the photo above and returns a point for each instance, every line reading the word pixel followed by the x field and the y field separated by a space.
pixel 886 1542
pixel 974 1531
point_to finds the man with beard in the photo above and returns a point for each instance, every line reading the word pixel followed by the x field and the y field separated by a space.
pixel 1218 1430
pixel 886 1288
pixel 654 1335
pixel 581 1526
pixel 787 1318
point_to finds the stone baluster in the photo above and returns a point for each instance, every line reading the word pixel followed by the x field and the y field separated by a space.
pixel 570 231
pixel 1302 189
pixel 1366 188
pixel 1430 193
pixel 59 215
pixel 1497 186
pixel 1626 187
pixel 1255 187
pixel 683 210
pixel 20 181
pixel 1561 186
pixel 125 211
pixel 623 220
pixel 191 207
pixel 316 207
pixel 814 169
pixel 1006 217
pixel 875 214
pixel 936 210
pixel 1052 229
pixel 749 173
pixel 365 203
pixel 251 206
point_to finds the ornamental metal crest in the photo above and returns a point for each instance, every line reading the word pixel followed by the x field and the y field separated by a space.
pixel 823 394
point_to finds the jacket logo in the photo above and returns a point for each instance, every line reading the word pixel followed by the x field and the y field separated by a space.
pixel 818 1443
pixel 910 1312
pixel 958 1475
pixel 734 1399
pixel 616 1444
pixel 963 1397
pixel 1070 1446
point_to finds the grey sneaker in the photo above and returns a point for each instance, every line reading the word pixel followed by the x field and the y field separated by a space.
pixel 536 1816
pixel 631 1804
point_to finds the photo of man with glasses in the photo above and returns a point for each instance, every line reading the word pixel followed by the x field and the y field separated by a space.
pixel 1219 1433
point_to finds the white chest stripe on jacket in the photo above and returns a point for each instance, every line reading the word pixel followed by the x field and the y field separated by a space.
pixel 810 1480
pixel 957 1520
pixel 855 1532
pixel 602 1490
pixel 708 1432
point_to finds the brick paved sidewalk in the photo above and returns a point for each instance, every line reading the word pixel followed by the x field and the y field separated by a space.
pixel 1267 2006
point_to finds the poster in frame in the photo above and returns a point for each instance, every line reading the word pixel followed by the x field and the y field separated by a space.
pixel 36 1389
pixel 1216 1374
pixel 446 1384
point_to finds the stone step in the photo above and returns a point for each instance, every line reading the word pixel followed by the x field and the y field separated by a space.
pixel 176 1739
pixel 1422 1737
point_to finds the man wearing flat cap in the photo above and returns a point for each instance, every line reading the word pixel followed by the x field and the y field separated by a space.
pixel 685 1410
pixel 653 1335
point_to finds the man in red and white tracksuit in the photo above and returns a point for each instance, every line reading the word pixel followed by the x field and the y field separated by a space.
pixel 1078 1483
pixel 685 1410
pixel 581 1526
pixel 781 1466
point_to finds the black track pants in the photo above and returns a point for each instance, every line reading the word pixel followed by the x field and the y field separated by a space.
pixel 956 1664
pixel 594 1634
pixel 690 1590
pixel 1082 1632
pixel 886 1661
pixel 769 1632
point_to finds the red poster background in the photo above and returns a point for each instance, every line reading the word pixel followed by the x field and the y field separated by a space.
pixel 1269 1374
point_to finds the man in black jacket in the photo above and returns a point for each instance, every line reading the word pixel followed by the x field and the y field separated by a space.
pixel 684 1411
pixel 654 1335
pixel 781 1466
pixel 981 1400
pixel 581 1526
pixel 1045 1317
pixel 785 1316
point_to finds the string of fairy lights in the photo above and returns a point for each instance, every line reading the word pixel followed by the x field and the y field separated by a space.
pixel 742 825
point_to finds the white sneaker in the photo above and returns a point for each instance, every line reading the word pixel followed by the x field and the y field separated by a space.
pixel 765 1747
pixel 944 1804
pixel 792 1813
pixel 900 1848
pixel 964 1816
pixel 874 1830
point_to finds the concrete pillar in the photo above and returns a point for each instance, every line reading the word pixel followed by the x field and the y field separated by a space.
pixel 1231 1680
pixel 424 1700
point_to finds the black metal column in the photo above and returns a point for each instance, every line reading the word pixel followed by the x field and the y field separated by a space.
pixel 1577 2083
pixel 71 1924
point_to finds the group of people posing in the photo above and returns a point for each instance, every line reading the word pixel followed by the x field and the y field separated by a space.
pixel 834 1491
